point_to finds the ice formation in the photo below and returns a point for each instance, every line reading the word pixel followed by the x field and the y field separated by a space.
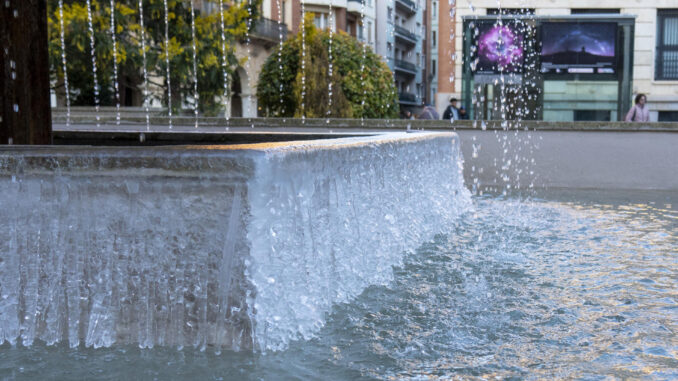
pixel 232 247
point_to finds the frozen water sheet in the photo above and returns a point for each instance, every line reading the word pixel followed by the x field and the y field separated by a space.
pixel 238 247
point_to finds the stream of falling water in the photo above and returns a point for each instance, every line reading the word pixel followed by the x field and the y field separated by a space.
pixel 167 64
pixel 279 56
pixel 224 64
pixel 362 62
pixel 247 63
pixel 64 62
pixel 303 61
pixel 329 72
pixel 196 96
pixel 143 54
pixel 90 27
pixel 116 83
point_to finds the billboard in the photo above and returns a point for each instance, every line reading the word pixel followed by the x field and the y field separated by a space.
pixel 499 49
pixel 579 47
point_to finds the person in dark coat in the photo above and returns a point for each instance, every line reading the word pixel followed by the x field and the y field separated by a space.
pixel 451 112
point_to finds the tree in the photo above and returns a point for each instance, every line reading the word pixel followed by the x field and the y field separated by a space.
pixel 358 93
pixel 130 62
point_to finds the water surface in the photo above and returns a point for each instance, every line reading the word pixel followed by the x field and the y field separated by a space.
pixel 577 285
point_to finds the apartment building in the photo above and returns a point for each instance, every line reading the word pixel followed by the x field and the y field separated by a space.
pixel 654 54
pixel 355 17
pixel 400 40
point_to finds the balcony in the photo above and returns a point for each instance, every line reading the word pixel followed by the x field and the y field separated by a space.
pixel 404 66
pixel 355 6
pixel 268 31
pixel 407 99
pixel 405 35
pixel 407 6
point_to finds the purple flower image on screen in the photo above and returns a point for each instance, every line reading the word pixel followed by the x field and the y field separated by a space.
pixel 500 48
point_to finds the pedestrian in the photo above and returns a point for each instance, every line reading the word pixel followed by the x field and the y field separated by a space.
pixel 639 112
pixel 451 112
pixel 463 115
pixel 429 113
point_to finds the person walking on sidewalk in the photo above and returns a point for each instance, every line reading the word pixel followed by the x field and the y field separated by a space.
pixel 639 112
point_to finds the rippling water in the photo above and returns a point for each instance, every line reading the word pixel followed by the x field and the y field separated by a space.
pixel 572 285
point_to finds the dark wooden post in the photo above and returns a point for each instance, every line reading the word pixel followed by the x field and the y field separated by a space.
pixel 24 73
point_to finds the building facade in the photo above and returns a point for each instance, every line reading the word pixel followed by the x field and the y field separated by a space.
pixel 655 56
pixel 401 41
pixel 355 17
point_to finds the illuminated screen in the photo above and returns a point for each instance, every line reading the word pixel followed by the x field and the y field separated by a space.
pixel 500 49
pixel 578 48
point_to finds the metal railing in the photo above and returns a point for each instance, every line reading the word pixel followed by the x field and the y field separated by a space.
pixel 404 65
pixel 269 29
pixel 407 97
pixel 402 32
pixel 407 4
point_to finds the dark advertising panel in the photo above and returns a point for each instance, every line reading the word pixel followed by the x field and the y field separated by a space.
pixel 578 48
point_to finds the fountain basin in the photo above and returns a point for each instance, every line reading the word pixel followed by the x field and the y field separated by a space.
pixel 237 247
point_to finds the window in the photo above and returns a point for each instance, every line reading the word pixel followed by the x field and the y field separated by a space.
pixel 433 39
pixel 320 20
pixel 666 59
pixel 510 11
pixel 418 59
pixel 390 13
pixel 433 67
pixel 592 115
pixel 369 31
pixel 589 11
pixel 434 11
pixel 668 116
pixel 389 46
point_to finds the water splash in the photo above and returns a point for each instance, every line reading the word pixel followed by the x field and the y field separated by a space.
pixel 116 84
pixel 90 28
pixel 64 62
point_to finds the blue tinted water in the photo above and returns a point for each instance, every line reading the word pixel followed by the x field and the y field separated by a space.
pixel 576 285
